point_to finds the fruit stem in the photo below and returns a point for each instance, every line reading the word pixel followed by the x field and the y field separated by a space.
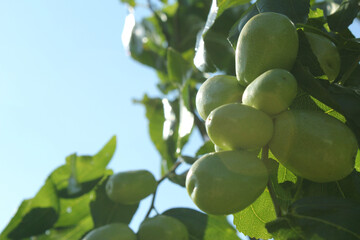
pixel 265 159
pixel 166 175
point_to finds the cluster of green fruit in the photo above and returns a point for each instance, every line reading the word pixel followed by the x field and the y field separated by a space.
pixel 250 111
pixel 130 188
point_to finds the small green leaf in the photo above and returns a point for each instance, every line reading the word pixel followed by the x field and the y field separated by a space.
pixel 251 221
pixel 285 175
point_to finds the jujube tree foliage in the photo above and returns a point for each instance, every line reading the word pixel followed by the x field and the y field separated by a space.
pixel 273 88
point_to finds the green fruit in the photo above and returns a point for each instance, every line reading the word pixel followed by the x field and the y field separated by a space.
pixel 217 91
pixel 113 231
pixel 272 92
pixel 237 126
pixel 131 186
pixel 226 182
pixel 267 41
pixel 162 227
pixel 326 53
pixel 314 145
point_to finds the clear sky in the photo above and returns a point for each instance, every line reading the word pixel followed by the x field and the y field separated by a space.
pixel 66 85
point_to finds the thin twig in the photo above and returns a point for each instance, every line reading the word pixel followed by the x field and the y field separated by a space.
pixel 172 170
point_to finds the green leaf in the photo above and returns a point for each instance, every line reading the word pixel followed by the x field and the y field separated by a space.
pixel 357 161
pixel 81 173
pixel 186 117
pixel 178 179
pixel 296 10
pixel 285 175
pixel 344 15
pixel 318 218
pixel 203 227
pixel 251 221
pixel 178 68
pixel 162 128
pixel 146 42
pixel 35 215
pixel 213 50
pixel 130 2
pixel 74 210
pixel 105 211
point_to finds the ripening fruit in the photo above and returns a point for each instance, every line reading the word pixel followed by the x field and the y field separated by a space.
pixel 267 41
pixel 217 91
pixel 326 53
pixel 131 186
pixel 314 145
pixel 162 227
pixel 272 92
pixel 226 182
pixel 237 126
pixel 113 231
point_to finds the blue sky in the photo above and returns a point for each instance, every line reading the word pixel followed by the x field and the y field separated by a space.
pixel 66 85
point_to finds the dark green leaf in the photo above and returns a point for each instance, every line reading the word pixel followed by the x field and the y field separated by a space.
pixel 318 218
pixel 251 221
pixel 203 227
pixel 344 15
pixel 296 10
pixel 225 4
pixel 105 211
pixel 178 179
pixel 240 23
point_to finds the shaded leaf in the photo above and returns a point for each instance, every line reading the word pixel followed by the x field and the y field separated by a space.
pixel 207 147
pixel 296 10
pixel 344 15
pixel 318 218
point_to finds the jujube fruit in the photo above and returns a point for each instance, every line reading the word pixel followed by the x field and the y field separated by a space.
pixel 272 92
pixel 267 41
pixel 237 126
pixel 217 91
pixel 130 187
pixel 113 231
pixel 314 145
pixel 226 182
pixel 162 227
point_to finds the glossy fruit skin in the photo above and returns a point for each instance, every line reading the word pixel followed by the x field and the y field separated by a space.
pixel 130 187
pixel 267 41
pixel 326 53
pixel 226 182
pixel 217 91
pixel 272 92
pixel 237 126
pixel 162 227
pixel 314 145
pixel 113 231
